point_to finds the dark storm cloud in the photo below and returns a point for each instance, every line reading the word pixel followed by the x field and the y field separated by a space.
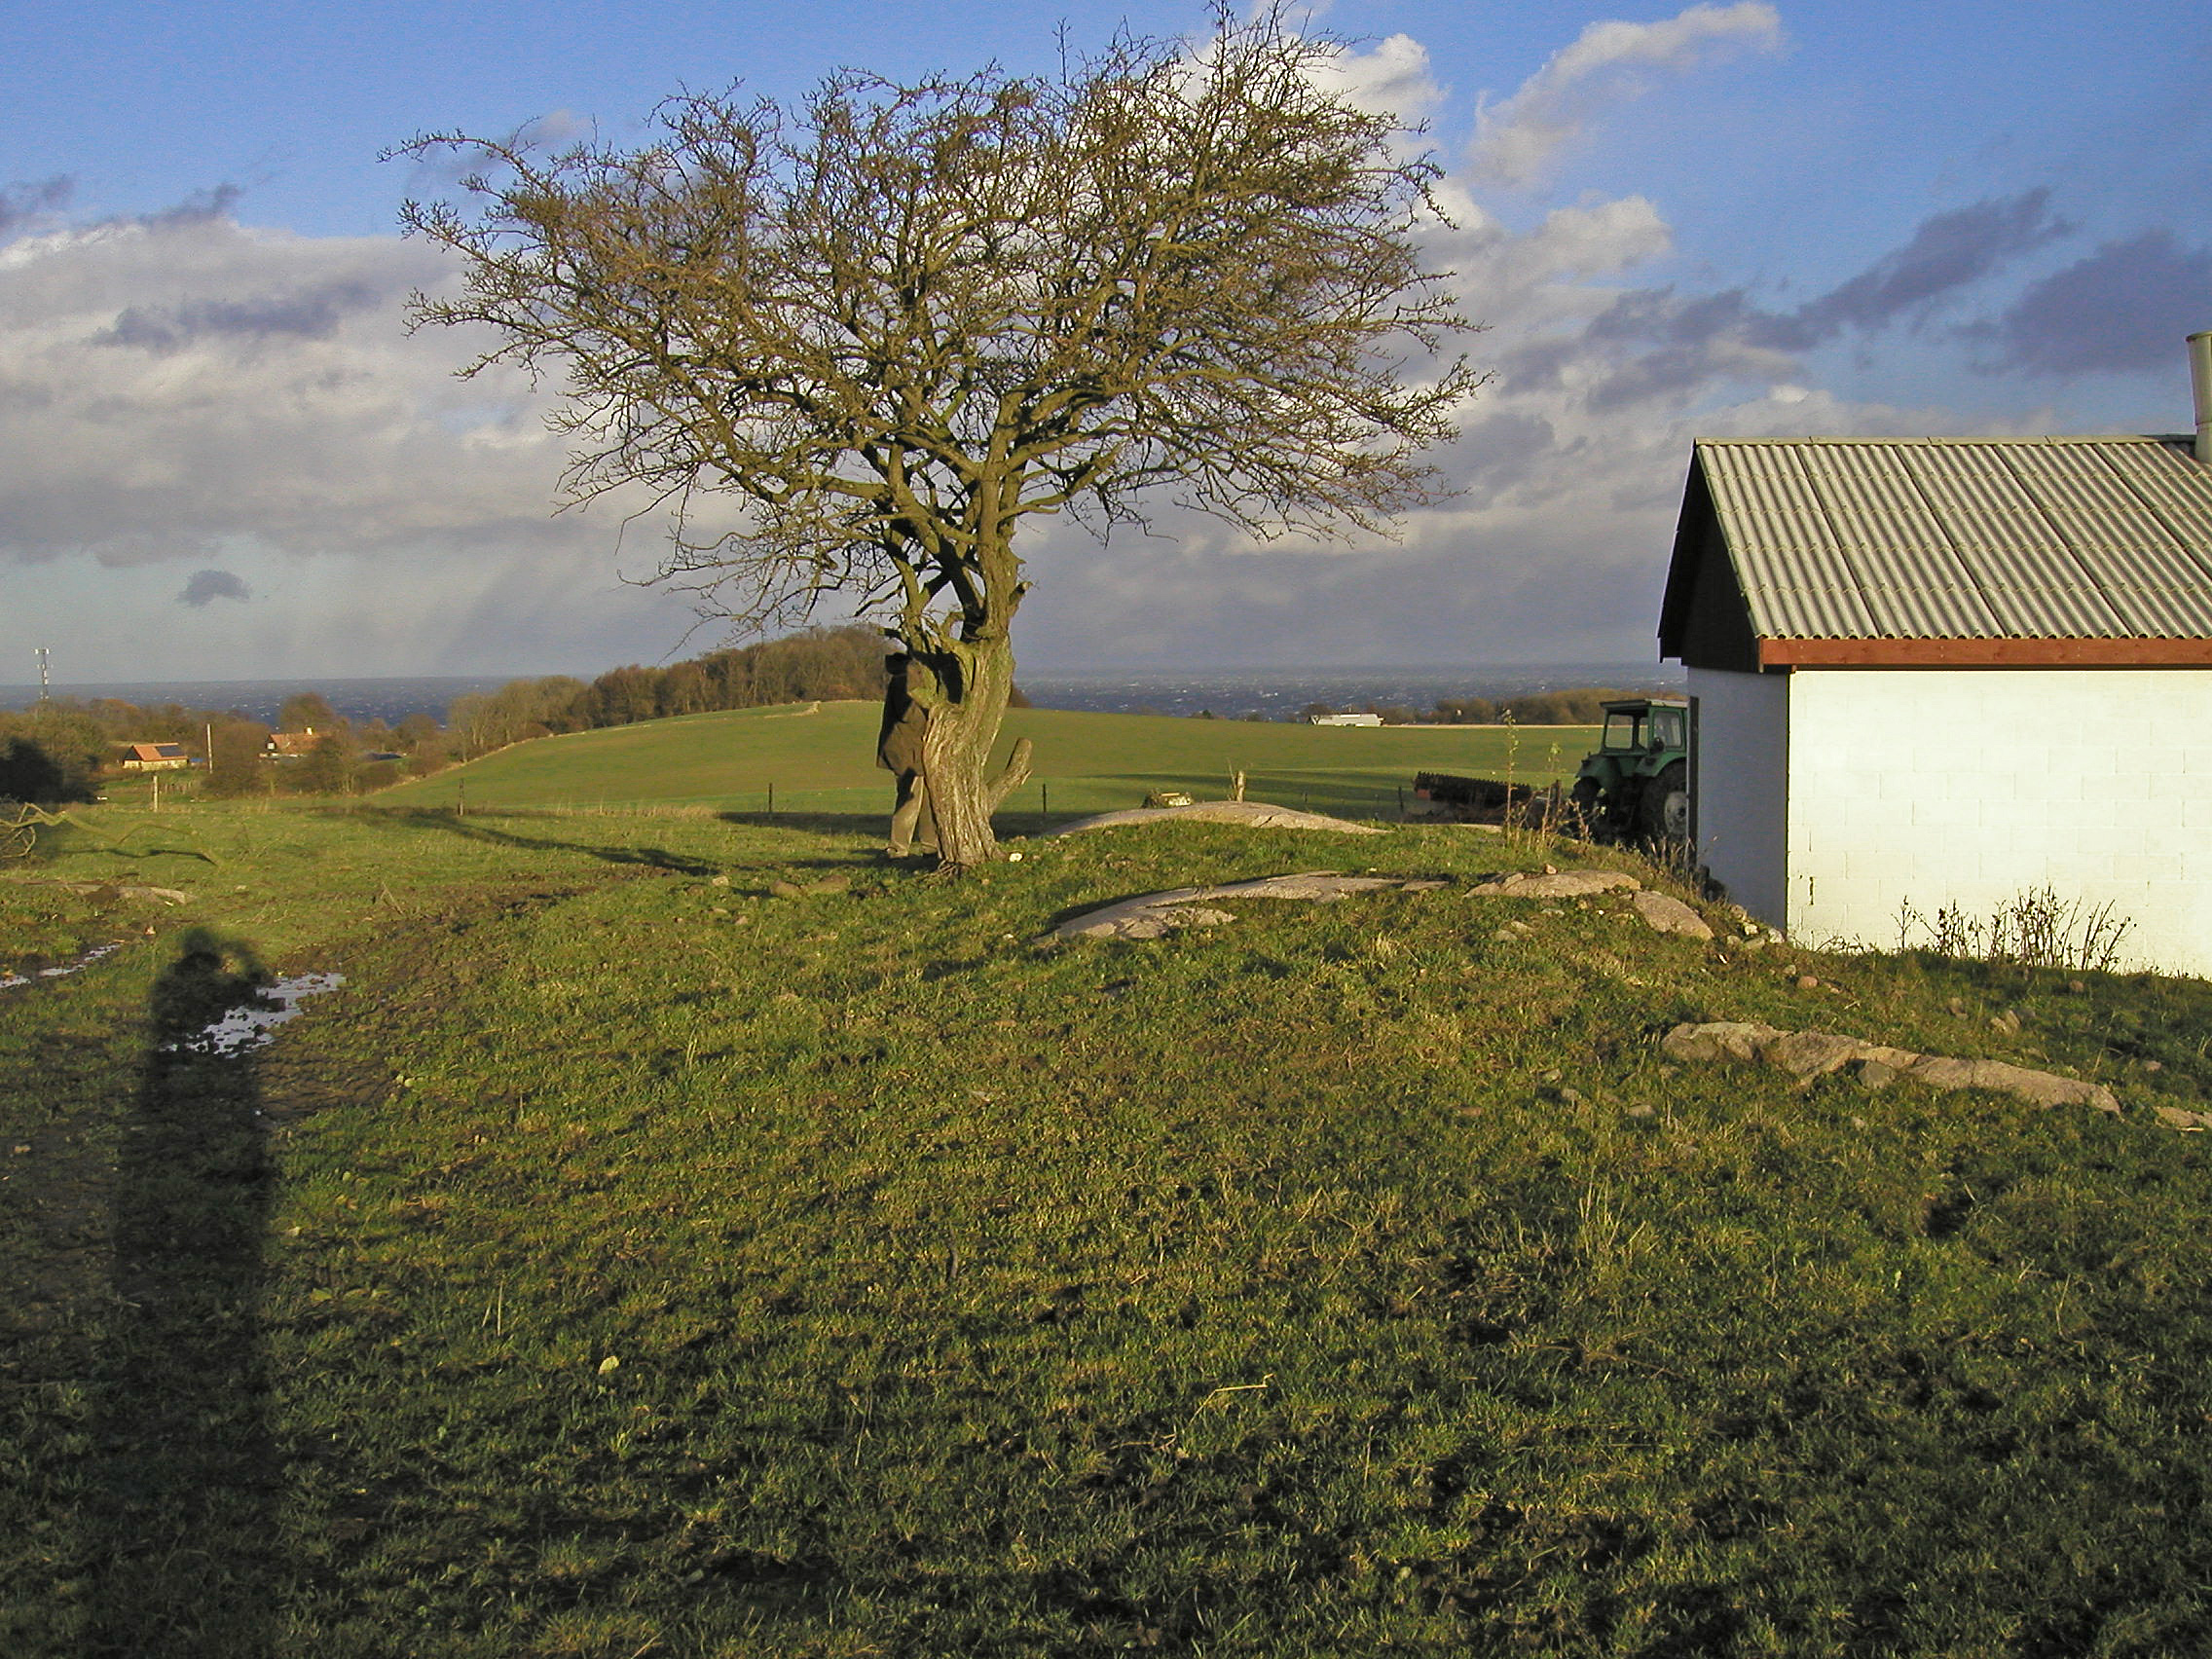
pixel 1670 372
pixel 200 207
pixel 21 201
pixel 1699 337
pixel 1948 252
pixel 2127 306
pixel 207 586
pixel 309 315
pixel 1497 451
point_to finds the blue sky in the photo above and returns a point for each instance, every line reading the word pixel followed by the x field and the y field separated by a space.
pixel 221 456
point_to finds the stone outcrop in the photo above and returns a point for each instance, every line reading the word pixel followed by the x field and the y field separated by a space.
pixel 1809 1055
pixel 1555 884
pixel 1252 814
pixel 1158 914
pixel 1661 915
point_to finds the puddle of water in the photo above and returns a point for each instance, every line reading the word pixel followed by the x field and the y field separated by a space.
pixel 9 982
pixel 254 1023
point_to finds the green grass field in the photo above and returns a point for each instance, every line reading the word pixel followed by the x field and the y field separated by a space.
pixel 628 1263
pixel 825 763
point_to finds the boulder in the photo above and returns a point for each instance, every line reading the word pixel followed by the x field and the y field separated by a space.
pixel 1661 915
pixel 1722 1040
pixel 1156 922
pixel 1154 916
pixel 2036 1088
pixel 1559 884
pixel 1253 814
pixel 1809 1055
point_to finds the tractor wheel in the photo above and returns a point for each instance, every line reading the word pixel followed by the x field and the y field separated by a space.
pixel 1584 816
pixel 1663 815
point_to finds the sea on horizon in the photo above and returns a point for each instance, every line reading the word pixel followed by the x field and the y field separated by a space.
pixel 390 700
pixel 1228 695
pixel 1282 693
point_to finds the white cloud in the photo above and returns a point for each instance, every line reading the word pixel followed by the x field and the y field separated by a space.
pixel 1606 65
pixel 166 386
pixel 1391 79
pixel 184 390
pixel 1569 468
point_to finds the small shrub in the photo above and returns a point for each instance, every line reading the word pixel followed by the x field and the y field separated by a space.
pixel 2033 929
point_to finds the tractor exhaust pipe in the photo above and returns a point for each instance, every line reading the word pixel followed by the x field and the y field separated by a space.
pixel 2200 388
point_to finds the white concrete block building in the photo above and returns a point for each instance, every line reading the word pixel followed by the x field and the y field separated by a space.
pixel 1936 673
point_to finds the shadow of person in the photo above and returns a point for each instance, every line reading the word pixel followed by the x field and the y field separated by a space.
pixel 185 1490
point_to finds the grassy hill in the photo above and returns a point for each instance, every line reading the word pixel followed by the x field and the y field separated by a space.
pixel 824 761
pixel 626 1261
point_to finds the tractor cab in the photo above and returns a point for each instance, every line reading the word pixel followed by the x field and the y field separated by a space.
pixel 1644 725
pixel 1636 786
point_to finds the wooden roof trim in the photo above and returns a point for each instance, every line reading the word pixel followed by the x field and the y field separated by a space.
pixel 1985 654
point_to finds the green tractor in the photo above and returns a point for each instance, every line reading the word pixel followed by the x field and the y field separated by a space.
pixel 1636 786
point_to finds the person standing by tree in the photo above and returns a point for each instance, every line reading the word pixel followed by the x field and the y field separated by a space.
pixel 900 751
pixel 893 324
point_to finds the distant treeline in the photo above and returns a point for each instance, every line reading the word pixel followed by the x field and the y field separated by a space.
pixel 819 665
pixel 57 752
pixel 1582 705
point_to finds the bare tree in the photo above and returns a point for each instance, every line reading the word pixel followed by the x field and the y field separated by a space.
pixel 895 323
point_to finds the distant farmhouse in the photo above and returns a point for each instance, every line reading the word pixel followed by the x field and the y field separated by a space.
pixel 290 744
pixel 1344 719
pixel 1936 672
pixel 153 756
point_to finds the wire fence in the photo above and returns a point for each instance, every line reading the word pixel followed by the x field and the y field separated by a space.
pixel 1039 803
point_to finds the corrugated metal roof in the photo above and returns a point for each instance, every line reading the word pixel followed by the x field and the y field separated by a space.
pixel 2029 539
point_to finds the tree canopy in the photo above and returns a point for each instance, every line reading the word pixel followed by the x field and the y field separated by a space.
pixel 890 324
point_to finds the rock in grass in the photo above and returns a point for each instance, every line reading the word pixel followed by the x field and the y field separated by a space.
pixel 1254 813
pixel 2036 1088
pixel 1661 915
pixel 1146 923
pixel 1154 916
pixel 785 890
pixel 1809 1055
pixel 1719 1040
pixel 161 895
pixel 1565 884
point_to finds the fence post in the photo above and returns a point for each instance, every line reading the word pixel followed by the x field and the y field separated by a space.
pixel 771 801
pixel 1043 803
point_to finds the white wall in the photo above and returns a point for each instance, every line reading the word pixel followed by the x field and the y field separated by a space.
pixel 1967 786
pixel 1739 759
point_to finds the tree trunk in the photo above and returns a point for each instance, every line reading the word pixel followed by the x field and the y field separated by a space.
pixel 974 680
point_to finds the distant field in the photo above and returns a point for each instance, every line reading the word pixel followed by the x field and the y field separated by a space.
pixel 825 762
